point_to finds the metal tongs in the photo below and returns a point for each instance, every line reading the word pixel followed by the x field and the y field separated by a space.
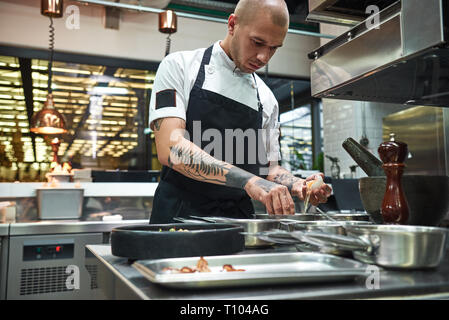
pixel 315 238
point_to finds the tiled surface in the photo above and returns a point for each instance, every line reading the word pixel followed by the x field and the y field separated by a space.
pixel 343 119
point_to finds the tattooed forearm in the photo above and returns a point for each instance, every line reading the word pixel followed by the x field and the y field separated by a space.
pixel 199 165
pixel 237 177
pixel 265 184
pixel 196 164
pixel 284 177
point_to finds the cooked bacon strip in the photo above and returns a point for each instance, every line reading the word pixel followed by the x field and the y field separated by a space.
pixel 187 270
pixel 230 268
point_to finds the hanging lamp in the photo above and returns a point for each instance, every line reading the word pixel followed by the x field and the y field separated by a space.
pixel 48 120
pixel 168 23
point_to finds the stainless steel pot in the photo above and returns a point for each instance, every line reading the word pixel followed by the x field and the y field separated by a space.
pixel 390 246
pixel 326 226
pixel 296 217
pixel 249 226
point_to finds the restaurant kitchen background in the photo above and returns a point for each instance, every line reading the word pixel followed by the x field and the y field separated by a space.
pixel 104 64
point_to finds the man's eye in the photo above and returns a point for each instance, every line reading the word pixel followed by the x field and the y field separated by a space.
pixel 257 43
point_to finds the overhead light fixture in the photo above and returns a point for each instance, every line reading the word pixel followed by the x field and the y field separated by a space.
pixel 52 8
pixel 108 90
pixel 49 120
pixel 168 23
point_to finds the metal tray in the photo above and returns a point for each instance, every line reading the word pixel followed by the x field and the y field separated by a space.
pixel 260 269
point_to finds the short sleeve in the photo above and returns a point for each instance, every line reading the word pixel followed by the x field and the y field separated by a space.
pixel 168 98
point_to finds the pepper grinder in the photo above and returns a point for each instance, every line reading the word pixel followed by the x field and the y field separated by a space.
pixel 394 208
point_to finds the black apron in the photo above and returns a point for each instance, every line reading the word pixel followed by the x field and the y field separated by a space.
pixel 180 196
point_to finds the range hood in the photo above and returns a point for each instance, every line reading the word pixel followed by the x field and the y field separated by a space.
pixel 405 60
pixel 343 12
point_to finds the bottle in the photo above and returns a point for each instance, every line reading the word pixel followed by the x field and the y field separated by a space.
pixel 394 207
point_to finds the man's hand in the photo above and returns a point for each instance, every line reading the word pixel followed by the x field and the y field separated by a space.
pixel 275 197
pixel 317 195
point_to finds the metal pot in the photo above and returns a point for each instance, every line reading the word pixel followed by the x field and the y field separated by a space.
pixel 249 226
pixel 326 226
pixel 426 197
pixel 390 246
pixel 296 217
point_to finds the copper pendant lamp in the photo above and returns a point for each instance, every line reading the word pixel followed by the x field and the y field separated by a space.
pixel 168 23
pixel 49 120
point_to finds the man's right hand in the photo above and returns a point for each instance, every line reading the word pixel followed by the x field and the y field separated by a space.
pixel 275 197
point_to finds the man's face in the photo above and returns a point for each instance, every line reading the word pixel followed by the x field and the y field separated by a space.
pixel 253 44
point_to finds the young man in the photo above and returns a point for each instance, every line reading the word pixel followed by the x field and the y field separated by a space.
pixel 215 124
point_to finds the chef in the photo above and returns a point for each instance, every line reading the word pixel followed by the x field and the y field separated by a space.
pixel 215 124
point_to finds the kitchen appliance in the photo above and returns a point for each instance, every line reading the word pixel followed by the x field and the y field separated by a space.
pixel 403 59
pixel 45 260
pixel 59 203
pixel 157 241
pixel 343 12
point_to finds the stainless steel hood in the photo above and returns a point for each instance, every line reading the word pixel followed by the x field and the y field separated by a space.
pixel 343 12
pixel 405 60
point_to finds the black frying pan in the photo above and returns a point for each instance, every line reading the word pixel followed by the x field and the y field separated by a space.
pixel 155 241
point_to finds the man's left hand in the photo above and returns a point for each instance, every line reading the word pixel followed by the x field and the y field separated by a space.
pixel 317 195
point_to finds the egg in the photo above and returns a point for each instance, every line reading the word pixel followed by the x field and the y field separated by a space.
pixel 314 184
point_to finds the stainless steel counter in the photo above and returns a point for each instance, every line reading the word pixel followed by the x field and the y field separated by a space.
pixel 91 189
pixel 4 229
pixel 121 281
pixel 66 226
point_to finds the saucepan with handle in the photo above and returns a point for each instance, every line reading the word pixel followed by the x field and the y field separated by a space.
pixel 250 226
pixel 390 246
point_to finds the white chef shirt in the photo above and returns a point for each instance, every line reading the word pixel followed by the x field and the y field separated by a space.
pixel 179 71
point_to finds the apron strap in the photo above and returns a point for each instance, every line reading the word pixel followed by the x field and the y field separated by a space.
pixel 201 73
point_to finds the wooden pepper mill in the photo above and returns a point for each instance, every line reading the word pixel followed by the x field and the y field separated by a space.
pixel 394 208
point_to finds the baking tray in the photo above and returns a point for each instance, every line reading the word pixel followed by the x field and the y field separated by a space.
pixel 260 269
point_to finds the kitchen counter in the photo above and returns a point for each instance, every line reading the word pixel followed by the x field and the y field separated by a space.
pixel 119 280
pixel 4 229
pixel 65 226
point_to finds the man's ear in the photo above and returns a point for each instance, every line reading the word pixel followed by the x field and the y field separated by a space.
pixel 232 21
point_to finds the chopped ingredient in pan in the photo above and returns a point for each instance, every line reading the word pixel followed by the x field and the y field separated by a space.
pixel 174 229
pixel 201 266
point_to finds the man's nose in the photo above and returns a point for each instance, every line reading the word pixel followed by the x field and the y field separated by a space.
pixel 263 56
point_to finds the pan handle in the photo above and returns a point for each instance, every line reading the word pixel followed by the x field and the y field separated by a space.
pixel 184 220
pixel 334 241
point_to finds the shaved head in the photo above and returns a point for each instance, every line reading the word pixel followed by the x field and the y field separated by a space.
pixel 247 10
pixel 256 29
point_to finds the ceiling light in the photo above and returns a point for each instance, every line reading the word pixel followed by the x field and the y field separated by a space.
pixel 108 91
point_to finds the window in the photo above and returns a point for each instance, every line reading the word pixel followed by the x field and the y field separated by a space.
pixel 105 106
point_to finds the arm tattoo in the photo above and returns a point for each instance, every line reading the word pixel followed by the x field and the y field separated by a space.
pixel 200 166
pixel 286 179
pixel 158 123
pixel 237 177
pixel 195 165
pixel 265 184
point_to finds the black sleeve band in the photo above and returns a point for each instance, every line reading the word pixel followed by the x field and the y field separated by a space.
pixel 165 98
